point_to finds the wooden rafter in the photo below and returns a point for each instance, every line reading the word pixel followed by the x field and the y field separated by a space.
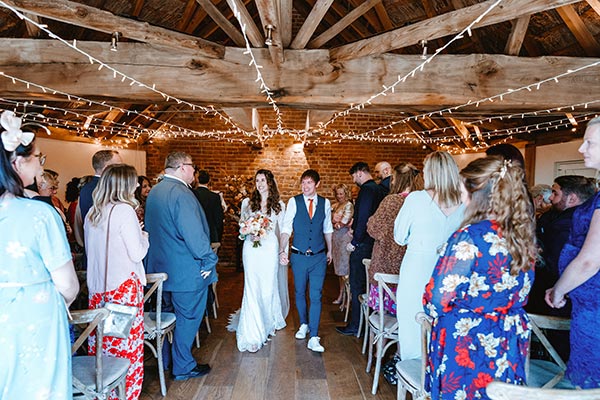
pixel 584 37
pixel 517 35
pixel 303 9
pixel 254 34
pixel 310 24
pixel 342 24
pixel 285 22
pixel 361 30
pixel 269 16
pixel 371 18
pixel 188 12
pixel 222 22
pixel 384 17
pixel 443 25
pixel 137 8
pixel 92 18
pixel 595 4
pixel 32 30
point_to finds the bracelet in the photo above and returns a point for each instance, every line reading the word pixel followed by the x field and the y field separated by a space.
pixel 282 252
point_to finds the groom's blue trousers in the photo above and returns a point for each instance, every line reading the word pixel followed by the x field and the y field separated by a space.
pixel 309 271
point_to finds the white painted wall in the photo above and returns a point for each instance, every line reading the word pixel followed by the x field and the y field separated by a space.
pixel 547 156
pixel 71 159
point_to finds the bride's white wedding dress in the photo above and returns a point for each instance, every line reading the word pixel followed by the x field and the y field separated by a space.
pixel 261 311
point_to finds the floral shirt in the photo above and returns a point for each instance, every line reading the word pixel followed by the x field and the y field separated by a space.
pixel 480 330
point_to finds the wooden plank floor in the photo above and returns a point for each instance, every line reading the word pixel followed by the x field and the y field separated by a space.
pixel 282 369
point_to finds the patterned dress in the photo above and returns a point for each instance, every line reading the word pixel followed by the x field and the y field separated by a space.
pixel 480 331
pixel 341 213
pixel 34 338
pixel 583 368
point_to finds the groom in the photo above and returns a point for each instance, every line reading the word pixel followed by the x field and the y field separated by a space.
pixel 309 217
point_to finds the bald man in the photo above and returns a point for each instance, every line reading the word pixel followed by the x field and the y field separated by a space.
pixel 383 172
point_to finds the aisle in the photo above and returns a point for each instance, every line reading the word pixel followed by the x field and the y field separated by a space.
pixel 283 369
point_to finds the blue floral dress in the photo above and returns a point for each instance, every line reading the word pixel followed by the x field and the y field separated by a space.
pixel 480 331
pixel 34 338
pixel 583 368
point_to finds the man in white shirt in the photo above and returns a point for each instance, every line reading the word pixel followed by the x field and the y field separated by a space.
pixel 309 217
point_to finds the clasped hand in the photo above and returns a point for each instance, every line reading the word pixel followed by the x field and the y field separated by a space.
pixel 555 300
pixel 205 273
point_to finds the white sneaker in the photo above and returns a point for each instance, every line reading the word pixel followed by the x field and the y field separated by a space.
pixel 314 344
pixel 301 334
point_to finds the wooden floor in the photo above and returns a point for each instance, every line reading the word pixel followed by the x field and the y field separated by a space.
pixel 282 369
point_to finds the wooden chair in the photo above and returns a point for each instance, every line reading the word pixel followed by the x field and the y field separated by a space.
pixel 94 377
pixel 215 247
pixel 411 373
pixel 364 307
pixel 346 297
pixel 157 324
pixel 507 391
pixel 383 327
pixel 542 373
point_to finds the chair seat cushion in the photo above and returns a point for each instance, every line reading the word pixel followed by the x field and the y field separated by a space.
pixel 409 371
pixel 541 372
pixel 389 322
pixel 167 319
pixel 113 368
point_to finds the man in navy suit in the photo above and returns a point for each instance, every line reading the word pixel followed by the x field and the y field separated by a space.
pixel 180 246
pixel 361 246
pixel 211 204
pixel 309 217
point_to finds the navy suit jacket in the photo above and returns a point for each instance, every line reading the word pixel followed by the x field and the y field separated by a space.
pixel 368 200
pixel 211 204
pixel 86 201
pixel 179 237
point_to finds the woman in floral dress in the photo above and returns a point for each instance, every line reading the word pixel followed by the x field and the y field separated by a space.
pixel 341 218
pixel 114 210
pixel 480 285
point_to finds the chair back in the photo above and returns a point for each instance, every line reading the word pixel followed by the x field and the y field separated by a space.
pixel 508 391
pixel 425 321
pixel 156 281
pixel 382 287
pixel 367 263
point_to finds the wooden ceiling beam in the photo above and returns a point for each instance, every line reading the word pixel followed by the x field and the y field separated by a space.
pixel 254 34
pixel 92 18
pixel 583 36
pixel 137 8
pixel 310 24
pixel 32 29
pixel 595 4
pixel 269 16
pixel 285 22
pixel 222 22
pixel 188 12
pixel 304 10
pixel 307 79
pixel 443 25
pixel 517 35
pixel 371 18
pixel 384 17
pixel 342 24
pixel 357 27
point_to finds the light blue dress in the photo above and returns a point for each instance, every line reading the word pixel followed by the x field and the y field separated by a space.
pixel 34 335
pixel 423 228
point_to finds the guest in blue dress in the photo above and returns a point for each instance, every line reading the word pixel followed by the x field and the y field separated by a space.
pixel 480 284
pixel 37 278
pixel 579 265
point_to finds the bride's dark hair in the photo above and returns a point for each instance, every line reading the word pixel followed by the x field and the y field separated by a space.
pixel 272 200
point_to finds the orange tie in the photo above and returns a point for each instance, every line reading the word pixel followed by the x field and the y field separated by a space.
pixel 310 208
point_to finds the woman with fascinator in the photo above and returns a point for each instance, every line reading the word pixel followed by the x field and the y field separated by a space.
pixel 480 284
pixel 37 278
pixel 261 312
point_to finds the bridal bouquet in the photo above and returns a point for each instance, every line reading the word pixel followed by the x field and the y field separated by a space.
pixel 256 226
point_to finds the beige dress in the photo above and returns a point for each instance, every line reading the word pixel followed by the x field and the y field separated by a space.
pixel 341 216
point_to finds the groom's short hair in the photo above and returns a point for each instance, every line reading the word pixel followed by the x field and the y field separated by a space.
pixel 312 174
pixel 359 166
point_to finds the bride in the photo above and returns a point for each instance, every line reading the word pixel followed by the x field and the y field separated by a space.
pixel 261 312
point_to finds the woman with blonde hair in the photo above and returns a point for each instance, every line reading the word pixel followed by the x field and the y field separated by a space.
pixel 341 218
pixel 424 223
pixel 116 245
pixel 480 284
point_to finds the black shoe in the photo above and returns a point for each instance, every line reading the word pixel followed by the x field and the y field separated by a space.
pixel 198 371
pixel 346 330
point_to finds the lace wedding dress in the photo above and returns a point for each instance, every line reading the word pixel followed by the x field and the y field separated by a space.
pixel 261 311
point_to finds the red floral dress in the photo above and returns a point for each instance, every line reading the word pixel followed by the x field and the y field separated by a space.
pixel 131 293
pixel 480 331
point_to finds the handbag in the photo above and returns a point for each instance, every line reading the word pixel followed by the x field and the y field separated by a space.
pixel 120 317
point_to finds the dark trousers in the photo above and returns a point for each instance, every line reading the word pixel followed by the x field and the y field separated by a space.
pixel 358 281
pixel 309 271
pixel 189 308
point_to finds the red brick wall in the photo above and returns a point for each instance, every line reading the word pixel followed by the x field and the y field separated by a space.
pixel 286 159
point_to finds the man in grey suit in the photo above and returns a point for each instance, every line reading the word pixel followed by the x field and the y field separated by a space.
pixel 180 246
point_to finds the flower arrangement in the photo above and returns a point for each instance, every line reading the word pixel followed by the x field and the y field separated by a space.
pixel 256 226
pixel 236 188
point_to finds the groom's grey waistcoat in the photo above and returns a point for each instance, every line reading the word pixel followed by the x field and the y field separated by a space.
pixel 308 233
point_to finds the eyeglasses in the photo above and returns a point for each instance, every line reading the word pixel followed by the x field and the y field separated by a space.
pixel 190 164
pixel 42 158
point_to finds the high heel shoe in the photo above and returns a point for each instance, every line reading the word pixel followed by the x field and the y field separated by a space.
pixel 337 301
